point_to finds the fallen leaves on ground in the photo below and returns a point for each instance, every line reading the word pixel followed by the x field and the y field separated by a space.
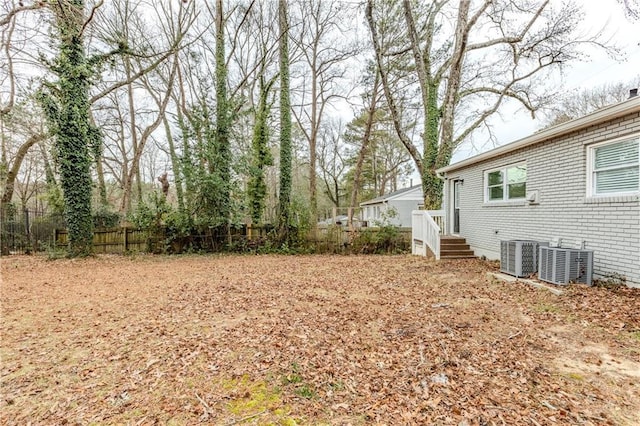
pixel 309 340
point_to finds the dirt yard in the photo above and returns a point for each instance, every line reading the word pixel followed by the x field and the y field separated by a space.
pixel 294 340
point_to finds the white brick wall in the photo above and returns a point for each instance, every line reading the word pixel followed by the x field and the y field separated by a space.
pixel 557 170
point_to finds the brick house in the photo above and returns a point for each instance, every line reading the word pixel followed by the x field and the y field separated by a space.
pixel 578 180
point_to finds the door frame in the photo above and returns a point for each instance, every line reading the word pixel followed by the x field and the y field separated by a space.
pixel 454 204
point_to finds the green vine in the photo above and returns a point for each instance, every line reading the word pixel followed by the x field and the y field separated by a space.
pixel 66 106
pixel 222 169
pixel 260 156
pixel 285 126
pixel 431 184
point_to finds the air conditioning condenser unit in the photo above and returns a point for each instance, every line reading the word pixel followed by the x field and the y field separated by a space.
pixel 563 266
pixel 519 257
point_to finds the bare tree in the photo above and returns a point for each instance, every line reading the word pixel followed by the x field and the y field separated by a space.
pixel 583 102
pixel 373 98
pixel 322 41
pixel 20 129
pixel 467 61
pixel 139 144
pixel 631 8
pixel 143 73
pixel 332 161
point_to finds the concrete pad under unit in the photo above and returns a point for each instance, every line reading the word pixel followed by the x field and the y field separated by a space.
pixel 533 283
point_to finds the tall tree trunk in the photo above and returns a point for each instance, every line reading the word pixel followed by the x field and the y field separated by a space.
pixel 128 181
pixel 366 138
pixel 67 109
pixel 223 149
pixel 186 164
pixel 439 148
pixel 260 156
pixel 431 183
pixel 50 177
pixel 393 107
pixel 284 200
pixel 175 164
pixel 102 186
pixel 138 183
pixel 453 85
pixel 313 142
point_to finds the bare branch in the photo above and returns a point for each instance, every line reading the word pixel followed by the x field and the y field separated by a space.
pixel 395 114
pixel 91 15
pixel 13 12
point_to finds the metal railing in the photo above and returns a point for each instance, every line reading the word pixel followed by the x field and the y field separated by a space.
pixel 26 231
pixel 427 226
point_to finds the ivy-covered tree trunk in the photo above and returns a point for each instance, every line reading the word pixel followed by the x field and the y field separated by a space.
pixel 186 162
pixel 175 164
pixel 260 156
pixel 285 123
pixel 67 109
pixel 431 183
pixel 223 149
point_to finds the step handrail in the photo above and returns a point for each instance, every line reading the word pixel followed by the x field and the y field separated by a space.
pixel 424 231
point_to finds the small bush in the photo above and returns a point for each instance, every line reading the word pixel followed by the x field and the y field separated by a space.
pixel 105 218
pixel 384 238
pixel 612 281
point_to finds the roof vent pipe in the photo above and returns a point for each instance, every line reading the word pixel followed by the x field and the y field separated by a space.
pixel 633 93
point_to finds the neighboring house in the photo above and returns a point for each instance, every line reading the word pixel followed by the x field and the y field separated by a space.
pixel 403 201
pixel 578 181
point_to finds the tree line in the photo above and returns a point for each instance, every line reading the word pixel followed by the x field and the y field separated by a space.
pixel 211 114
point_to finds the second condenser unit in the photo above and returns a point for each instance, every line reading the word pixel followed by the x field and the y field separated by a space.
pixel 564 266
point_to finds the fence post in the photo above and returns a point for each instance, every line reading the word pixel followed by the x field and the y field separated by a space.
pixel 27 232
pixel 350 217
pixel 126 239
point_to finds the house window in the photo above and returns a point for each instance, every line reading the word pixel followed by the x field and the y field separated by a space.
pixel 613 167
pixel 506 184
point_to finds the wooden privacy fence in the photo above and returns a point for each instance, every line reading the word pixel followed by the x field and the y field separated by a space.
pixel 332 239
pixel 112 240
pixel 127 239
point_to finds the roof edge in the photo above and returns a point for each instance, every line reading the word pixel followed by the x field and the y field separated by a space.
pixel 390 196
pixel 604 114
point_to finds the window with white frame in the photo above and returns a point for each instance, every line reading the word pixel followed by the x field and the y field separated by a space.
pixel 506 184
pixel 613 167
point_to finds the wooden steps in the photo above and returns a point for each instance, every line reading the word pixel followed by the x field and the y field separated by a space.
pixel 452 247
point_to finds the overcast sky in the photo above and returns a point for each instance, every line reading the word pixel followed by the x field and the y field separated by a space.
pixel 600 69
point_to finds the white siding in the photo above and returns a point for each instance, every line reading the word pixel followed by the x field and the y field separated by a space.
pixel 414 194
pixel 557 170
pixel 404 209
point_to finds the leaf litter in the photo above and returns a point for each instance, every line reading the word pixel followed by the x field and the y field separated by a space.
pixel 309 340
